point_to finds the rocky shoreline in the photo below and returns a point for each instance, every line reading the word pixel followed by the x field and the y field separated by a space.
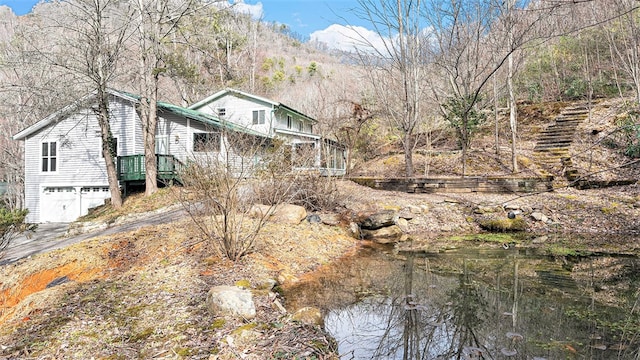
pixel 609 216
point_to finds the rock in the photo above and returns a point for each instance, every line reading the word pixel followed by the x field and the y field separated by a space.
pixel 405 215
pixel 540 240
pixel 232 301
pixel 246 337
pixel 538 216
pixel 308 316
pixel 284 213
pixel 383 235
pixel 285 277
pixel 330 219
pixel 501 223
pixel 267 284
pixel 354 230
pixel 259 210
pixel 403 224
pixel 488 209
pixel 414 209
pixel 380 220
pixel 511 207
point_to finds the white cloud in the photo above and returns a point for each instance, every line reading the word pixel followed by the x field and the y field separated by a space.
pixel 256 11
pixel 349 38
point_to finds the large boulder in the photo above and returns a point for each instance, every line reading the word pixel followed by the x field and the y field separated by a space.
pixel 231 301
pixel 379 220
pixel 388 234
pixel 308 316
pixel 283 213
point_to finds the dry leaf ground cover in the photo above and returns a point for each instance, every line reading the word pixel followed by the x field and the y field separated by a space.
pixel 142 294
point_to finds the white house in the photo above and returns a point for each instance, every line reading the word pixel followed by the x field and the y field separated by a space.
pixel 65 174
pixel 276 120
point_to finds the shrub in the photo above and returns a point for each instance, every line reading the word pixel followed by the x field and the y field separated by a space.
pixel 11 225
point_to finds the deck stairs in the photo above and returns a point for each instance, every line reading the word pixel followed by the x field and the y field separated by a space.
pixel 552 150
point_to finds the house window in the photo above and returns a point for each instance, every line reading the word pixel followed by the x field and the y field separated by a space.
pixel 222 112
pixel 289 121
pixel 49 156
pixel 300 123
pixel 258 117
pixel 203 142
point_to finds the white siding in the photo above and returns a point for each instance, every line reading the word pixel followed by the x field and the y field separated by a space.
pixel 179 135
pixel 240 111
pixel 126 126
pixel 79 160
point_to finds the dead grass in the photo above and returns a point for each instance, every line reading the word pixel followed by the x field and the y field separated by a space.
pixel 142 294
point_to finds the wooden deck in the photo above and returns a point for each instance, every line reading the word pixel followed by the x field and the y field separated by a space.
pixel 131 168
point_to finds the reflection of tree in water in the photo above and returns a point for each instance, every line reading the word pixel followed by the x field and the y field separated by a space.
pixel 467 313
pixel 477 307
pixel 426 328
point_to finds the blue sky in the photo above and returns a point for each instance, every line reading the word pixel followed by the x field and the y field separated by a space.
pixel 320 20
pixel 20 7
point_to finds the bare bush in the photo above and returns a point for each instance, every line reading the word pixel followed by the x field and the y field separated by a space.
pixel 311 190
pixel 232 172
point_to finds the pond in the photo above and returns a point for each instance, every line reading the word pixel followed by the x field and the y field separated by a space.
pixel 511 303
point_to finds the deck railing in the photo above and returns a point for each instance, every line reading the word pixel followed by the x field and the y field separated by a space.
pixel 131 168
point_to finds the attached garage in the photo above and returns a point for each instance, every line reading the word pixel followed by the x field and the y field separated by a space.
pixel 60 204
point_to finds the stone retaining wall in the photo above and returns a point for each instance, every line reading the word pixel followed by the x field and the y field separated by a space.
pixel 460 185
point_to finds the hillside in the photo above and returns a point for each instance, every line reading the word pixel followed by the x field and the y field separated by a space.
pixel 596 149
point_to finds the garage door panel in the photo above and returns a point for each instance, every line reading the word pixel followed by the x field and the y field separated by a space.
pixel 59 204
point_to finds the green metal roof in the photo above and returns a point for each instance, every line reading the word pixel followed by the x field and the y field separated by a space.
pixel 207 119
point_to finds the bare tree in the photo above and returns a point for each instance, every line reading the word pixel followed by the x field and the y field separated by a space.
pixel 468 48
pixel 396 68
pixel 624 39
pixel 230 174
pixel 85 58
pixel 157 21
pixel 104 46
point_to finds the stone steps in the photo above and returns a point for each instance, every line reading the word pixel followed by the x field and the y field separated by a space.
pixel 553 144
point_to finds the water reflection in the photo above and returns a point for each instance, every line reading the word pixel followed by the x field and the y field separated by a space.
pixel 497 304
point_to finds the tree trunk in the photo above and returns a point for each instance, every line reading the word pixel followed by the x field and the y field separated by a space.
pixel 465 142
pixel 107 147
pixel 513 111
pixel 495 112
pixel 150 158
pixel 149 73
pixel 408 154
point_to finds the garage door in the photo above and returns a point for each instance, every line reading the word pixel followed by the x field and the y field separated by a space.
pixel 59 204
pixel 92 197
